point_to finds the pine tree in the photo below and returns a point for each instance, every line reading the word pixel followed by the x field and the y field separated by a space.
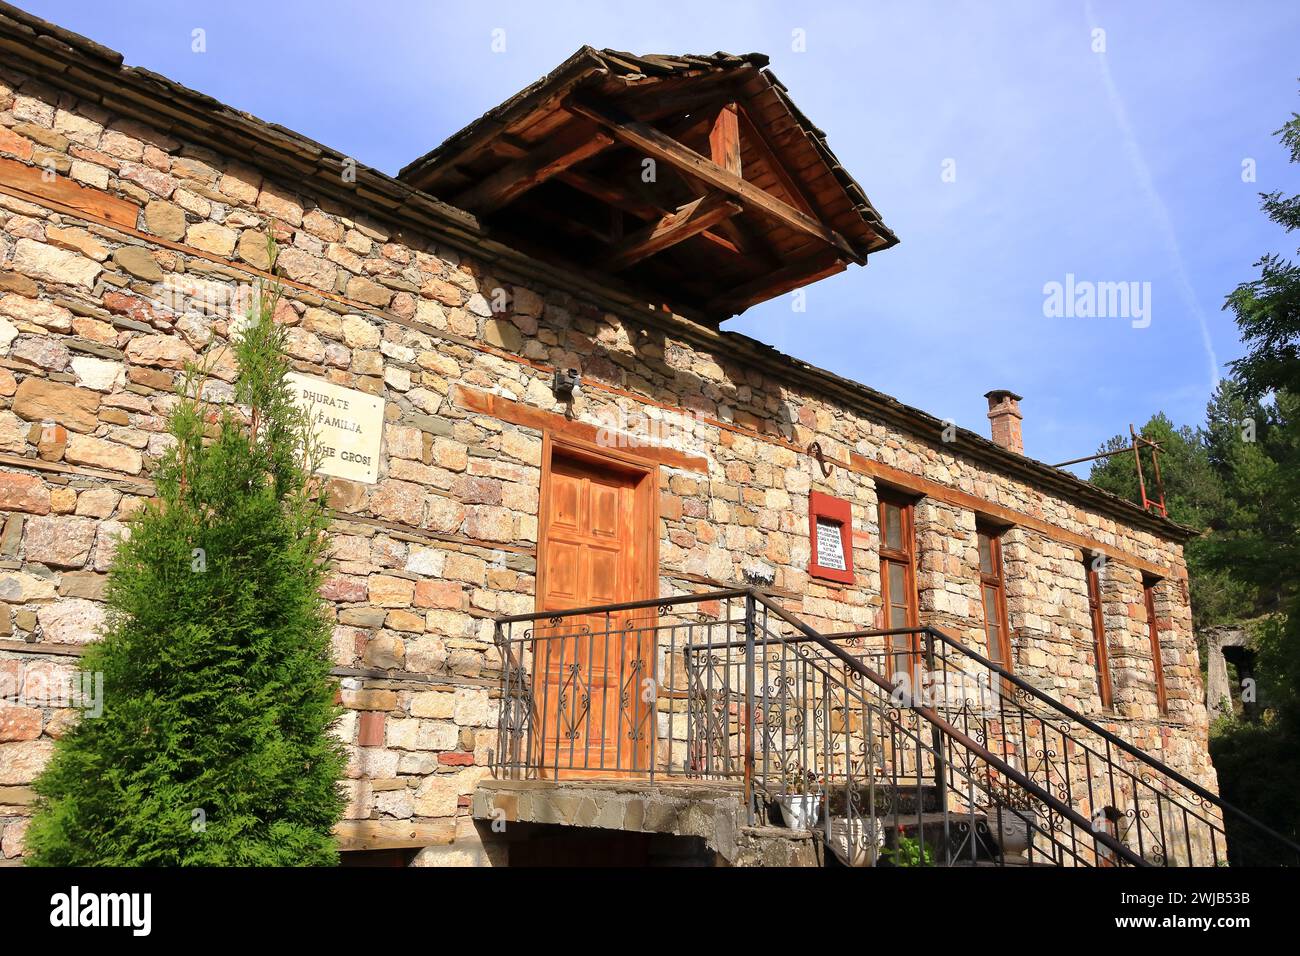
pixel 213 747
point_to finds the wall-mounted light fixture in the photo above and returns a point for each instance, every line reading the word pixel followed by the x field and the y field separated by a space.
pixel 566 384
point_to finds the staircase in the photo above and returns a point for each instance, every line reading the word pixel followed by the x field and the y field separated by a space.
pixel 931 757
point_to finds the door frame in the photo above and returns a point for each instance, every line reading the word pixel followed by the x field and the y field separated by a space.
pixel 646 518
pixel 645 475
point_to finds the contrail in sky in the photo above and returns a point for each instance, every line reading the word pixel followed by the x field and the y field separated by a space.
pixel 1158 208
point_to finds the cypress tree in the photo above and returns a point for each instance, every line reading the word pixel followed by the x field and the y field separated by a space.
pixel 213 747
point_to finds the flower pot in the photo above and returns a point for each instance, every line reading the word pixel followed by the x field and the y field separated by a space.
pixel 1014 829
pixel 800 809
pixel 851 840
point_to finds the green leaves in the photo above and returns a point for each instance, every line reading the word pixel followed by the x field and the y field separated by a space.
pixel 1253 554
pixel 213 747
pixel 1268 308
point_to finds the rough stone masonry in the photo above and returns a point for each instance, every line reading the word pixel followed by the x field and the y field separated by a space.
pixel 123 242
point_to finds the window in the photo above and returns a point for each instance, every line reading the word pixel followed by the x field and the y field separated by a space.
pixel 993 595
pixel 1149 586
pixel 830 527
pixel 898 582
pixel 1091 566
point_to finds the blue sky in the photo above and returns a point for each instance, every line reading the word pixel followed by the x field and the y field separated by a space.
pixel 1122 166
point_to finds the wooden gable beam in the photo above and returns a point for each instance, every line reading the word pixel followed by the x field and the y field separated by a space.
pixel 684 222
pixel 572 144
pixel 662 148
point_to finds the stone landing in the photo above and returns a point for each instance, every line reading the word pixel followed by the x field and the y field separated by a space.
pixel 704 822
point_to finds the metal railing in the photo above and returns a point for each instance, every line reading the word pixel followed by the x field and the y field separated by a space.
pixel 824 732
pixel 1161 814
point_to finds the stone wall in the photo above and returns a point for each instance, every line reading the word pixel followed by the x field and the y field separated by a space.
pixel 96 319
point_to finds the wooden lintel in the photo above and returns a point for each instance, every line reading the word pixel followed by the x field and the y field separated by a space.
pixel 526 416
pixel 682 223
pixel 571 145
pixel 724 139
pixel 35 181
pixel 662 148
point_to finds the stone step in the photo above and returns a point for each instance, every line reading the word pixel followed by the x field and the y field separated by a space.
pixel 906 796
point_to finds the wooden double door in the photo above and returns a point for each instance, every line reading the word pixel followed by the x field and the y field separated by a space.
pixel 595 676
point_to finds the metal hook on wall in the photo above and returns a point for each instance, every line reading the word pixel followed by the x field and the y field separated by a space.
pixel 815 449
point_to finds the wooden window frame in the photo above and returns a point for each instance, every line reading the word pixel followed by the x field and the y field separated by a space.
pixel 1100 651
pixel 1149 585
pixel 907 558
pixel 997 581
pixel 839 511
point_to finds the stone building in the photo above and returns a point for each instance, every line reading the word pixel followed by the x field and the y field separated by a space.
pixel 459 303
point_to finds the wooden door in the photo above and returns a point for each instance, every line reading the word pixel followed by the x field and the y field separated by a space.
pixel 595 687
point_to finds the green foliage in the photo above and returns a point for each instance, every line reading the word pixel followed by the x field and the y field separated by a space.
pixel 1237 479
pixel 1268 308
pixel 907 852
pixel 1193 493
pixel 213 745
pixel 1258 766
pixel 1257 542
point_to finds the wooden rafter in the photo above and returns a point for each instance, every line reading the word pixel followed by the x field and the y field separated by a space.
pixel 573 144
pixel 730 235
pixel 721 135
pixel 662 148
pixel 642 207
pixel 800 273
pixel 758 142
pixel 654 101
pixel 688 220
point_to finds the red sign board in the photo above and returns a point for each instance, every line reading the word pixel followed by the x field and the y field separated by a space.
pixel 830 531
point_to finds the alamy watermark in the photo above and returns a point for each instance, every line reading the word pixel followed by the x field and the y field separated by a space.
pixel 627 425
pixel 83 690
pixel 1084 299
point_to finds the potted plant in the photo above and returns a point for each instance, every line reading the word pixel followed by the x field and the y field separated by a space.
pixel 801 800
pixel 851 839
pixel 907 852
pixel 1013 819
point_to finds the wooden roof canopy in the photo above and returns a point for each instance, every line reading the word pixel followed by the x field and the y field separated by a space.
pixel 744 200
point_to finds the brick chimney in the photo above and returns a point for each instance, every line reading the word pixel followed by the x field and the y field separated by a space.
pixel 1004 413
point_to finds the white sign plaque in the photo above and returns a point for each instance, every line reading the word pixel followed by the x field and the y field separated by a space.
pixel 830 545
pixel 349 425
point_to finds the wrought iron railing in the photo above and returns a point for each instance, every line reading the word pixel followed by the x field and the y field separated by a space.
pixel 825 732
pixel 1161 814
